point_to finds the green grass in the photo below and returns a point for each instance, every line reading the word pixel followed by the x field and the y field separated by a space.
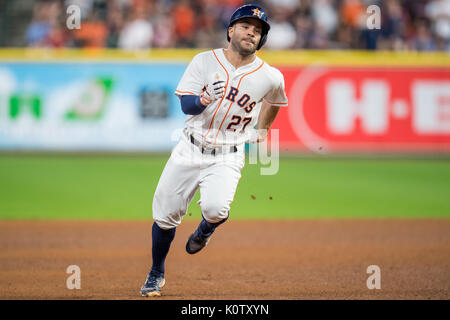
pixel 121 187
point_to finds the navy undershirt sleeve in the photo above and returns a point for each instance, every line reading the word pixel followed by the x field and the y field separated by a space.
pixel 190 104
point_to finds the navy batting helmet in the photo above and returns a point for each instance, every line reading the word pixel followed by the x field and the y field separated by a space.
pixel 251 11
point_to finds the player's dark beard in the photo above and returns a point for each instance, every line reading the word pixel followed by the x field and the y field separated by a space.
pixel 242 51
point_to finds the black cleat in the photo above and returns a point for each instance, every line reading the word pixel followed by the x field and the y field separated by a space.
pixel 196 242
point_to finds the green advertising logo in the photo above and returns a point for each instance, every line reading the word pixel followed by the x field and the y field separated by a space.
pixel 92 101
pixel 19 102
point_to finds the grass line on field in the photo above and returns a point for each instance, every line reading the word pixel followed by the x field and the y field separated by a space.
pixel 72 186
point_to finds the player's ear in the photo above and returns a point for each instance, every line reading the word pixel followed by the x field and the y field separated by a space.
pixel 230 31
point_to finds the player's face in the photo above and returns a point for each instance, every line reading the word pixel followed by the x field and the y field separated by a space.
pixel 245 35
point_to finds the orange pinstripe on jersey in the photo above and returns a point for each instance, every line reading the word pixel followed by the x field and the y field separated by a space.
pixel 239 83
pixel 226 85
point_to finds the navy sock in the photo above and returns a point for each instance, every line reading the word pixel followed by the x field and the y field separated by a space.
pixel 161 240
pixel 207 228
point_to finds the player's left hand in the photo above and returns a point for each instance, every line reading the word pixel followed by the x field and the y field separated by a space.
pixel 212 92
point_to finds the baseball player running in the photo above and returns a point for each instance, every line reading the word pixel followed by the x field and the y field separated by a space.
pixel 225 93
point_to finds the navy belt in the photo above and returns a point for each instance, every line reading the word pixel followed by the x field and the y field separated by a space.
pixel 212 151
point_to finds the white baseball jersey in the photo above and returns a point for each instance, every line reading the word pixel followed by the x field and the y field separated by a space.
pixel 225 121
pixel 231 119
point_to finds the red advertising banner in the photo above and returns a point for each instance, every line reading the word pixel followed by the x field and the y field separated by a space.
pixel 366 109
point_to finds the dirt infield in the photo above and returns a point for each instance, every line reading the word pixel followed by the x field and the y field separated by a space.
pixel 305 259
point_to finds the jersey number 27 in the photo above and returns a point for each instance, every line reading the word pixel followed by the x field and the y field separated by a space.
pixel 236 120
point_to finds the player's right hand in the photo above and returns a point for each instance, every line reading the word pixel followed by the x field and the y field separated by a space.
pixel 212 92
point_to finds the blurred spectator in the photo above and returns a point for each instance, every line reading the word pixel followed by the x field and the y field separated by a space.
pixel 184 22
pixel 393 28
pixel 282 34
pixel 324 16
pixel 352 22
pixel 303 28
pixel 438 11
pixel 57 36
pixel 39 29
pixel 352 13
pixel 138 31
pixel 163 32
pixel 46 29
pixel 93 32
pixel 114 21
pixel 423 40
pixel 307 24
pixel 325 22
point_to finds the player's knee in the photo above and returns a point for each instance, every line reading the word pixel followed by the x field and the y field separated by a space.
pixel 166 223
pixel 168 210
pixel 167 220
pixel 214 212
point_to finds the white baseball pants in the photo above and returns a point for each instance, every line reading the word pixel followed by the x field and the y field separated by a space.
pixel 186 171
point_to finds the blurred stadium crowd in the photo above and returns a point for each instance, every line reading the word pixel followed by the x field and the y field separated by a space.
pixel 308 24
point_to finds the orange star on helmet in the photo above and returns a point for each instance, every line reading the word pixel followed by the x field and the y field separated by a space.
pixel 257 12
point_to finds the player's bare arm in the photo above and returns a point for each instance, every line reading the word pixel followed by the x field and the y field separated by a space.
pixel 266 117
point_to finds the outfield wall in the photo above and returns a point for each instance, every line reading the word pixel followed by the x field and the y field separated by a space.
pixel 339 101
